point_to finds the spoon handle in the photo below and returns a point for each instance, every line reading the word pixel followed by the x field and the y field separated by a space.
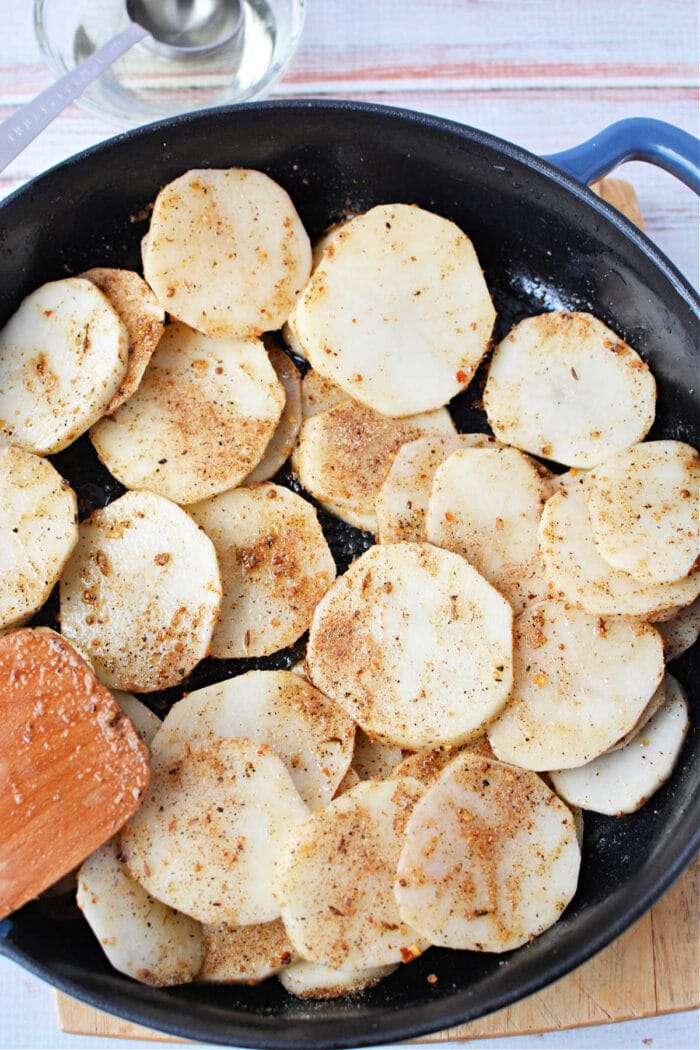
pixel 17 131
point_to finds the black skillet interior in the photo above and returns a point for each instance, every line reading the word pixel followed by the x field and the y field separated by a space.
pixel 544 243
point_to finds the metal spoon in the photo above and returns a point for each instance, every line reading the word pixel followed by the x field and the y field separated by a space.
pixel 177 27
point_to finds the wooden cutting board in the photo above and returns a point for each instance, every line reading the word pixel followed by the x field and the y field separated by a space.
pixel 652 969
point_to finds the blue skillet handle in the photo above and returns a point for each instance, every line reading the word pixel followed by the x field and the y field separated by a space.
pixel 637 138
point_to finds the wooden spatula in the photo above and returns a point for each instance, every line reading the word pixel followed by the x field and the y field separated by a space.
pixel 72 767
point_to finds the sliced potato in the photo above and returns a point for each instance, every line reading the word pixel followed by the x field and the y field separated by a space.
pixel 644 507
pixel 245 954
pixel 426 765
pixel 312 735
pixel 63 356
pixel 139 935
pixel 397 311
pixel 414 644
pixel 38 531
pixel 275 563
pixel 143 318
pixel 200 420
pixel 402 501
pixel 145 722
pixel 374 758
pixel 348 782
pixel 226 252
pixel 284 438
pixel 310 980
pixel 141 593
pixel 490 858
pixel 563 386
pixel 335 885
pixel 345 452
pixel 576 570
pixel 210 829
pixel 486 504
pixel 657 700
pixel 680 631
pixel 622 781
pixel 318 394
pixel 579 684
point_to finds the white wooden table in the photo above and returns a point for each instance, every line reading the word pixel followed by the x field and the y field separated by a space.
pixel 546 74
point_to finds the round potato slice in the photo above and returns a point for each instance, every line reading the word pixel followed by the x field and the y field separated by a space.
pixel 374 758
pixel 275 563
pixel 63 356
pixel 623 780
pixel 415 645
pixel 145 722
pixel 284 438
pixel 312 735
pixel 486 504
pixel 226 252
pixel 143 317
pixel 644 507
pixel 490 858
pixel 579 684
pixel 38 526
pixel 681 631
pixel 574 567
pixel 200 420
pixel 140 936
pixel 402 501
pixel 335 885
pixel 318 394
pixel 211 828
pixel 141 593
pixel 345 452
pixel 309 980
pixel 397 311
pixel 658 699
pixel 427 765
pixel 245 954
pixel 563 386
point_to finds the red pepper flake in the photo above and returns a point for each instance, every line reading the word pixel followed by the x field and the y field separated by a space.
pixel 461 376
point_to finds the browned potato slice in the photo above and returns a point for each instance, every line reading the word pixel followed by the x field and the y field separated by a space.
pixel 211 828
pixel 245 954
pixel 490 858
pixel 200 420
pixel 141 593
pixel 563 386
pixel 284 438
pixel 335 886
pixel 414 644
pixel 397 311
pixel 275 563
pixel 344 454
pixel 226 252
pixel 579 684
pixel 143 318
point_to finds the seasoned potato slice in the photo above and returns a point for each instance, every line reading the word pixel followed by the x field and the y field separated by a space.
pixel 318 394
pixel 226 252
pixel 427 765
pixel 145 722
pixel 623 780
pixel 200 420
pixel 645 510
pixel 402 501
pixel 576 570
pixel 486 504
pixel 657 700
pixel 374 758
pixel 563 386
pixel 397 311
pixel 415 645
pixel 310 980
pixel 275 563
pixel 143 318
pixel 490 858
pixel 245 954
pixel 140 936
pixel 345 452
pixel 63 356
pixel 335 885
pixel 680 631
pixel 312 735
pixel 284 438
pixel 210 829
pixel 141 593
pixel 579 684
pixel 38 531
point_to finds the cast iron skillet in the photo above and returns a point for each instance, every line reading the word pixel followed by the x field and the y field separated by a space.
pixel 545 242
